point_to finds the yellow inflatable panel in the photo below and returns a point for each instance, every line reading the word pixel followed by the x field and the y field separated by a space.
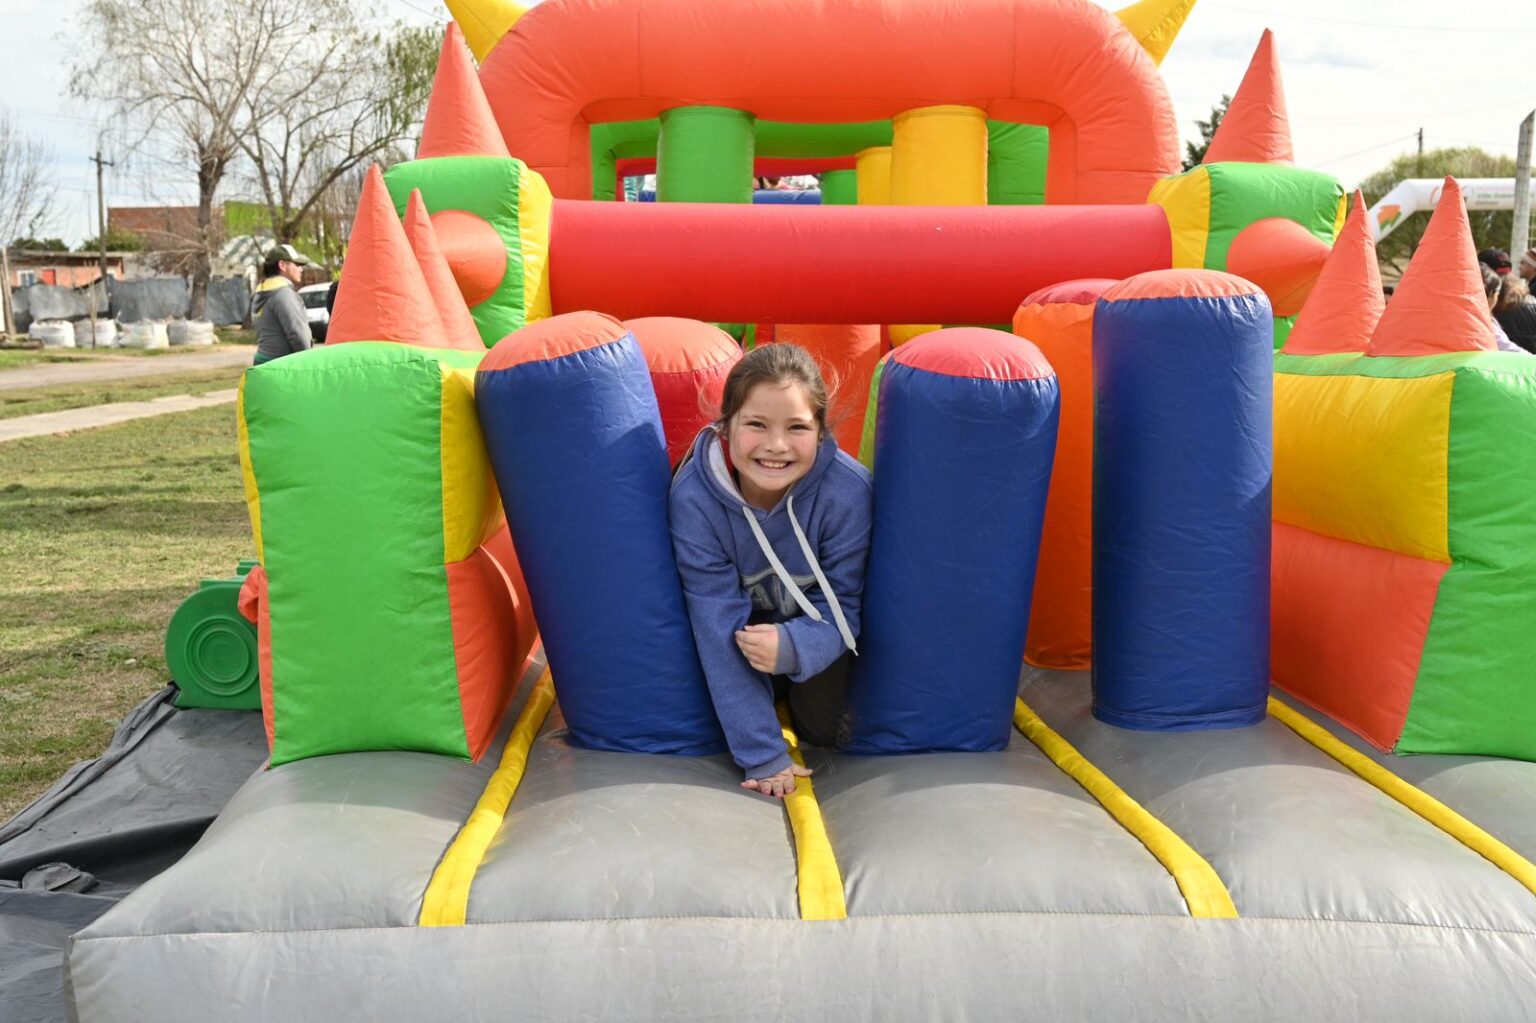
pixel 471 506
pixel 1186 198
pixel 1365 459
pixel 535 206
pixel 248 473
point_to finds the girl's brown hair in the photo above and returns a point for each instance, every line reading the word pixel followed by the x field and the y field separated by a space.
pixel 1512 293
pixel 776 364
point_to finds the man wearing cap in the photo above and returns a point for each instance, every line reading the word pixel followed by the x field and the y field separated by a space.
pixel 282 327
pixel 1496 260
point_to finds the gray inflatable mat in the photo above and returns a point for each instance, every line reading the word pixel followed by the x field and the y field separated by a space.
pixel 979 886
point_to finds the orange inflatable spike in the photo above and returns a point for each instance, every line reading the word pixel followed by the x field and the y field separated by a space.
pixel 1255 128
pixel 1280 256
pixel 1439 305
pixel 459 121
pixel 458 325
pixel 385 296
pixel 1347 301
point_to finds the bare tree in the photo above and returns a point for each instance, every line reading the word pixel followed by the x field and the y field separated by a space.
pixel 27 191
pixel 180 75
pixel 349 97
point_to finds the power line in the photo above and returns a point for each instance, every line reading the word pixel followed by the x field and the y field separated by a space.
pixel 436 16
pixel 1367 149
pixel 1481 29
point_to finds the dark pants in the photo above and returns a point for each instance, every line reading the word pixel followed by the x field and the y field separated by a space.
pixel 818 707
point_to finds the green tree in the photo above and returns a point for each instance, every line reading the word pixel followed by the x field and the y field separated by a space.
pixel 1490 228
pixel 27 181
pixel 351 97
pixel 40 244
pixel 1193 154
pixel 118 240
pixel 177 76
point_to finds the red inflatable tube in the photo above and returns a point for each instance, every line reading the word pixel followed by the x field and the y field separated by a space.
pixel 838 264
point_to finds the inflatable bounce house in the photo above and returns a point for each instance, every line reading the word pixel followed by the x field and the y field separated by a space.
pixel 1153 612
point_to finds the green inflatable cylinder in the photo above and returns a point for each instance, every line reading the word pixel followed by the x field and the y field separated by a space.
pixel 840 188
pixel 704 154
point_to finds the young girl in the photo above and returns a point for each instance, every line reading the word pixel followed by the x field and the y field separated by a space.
pixel 770 522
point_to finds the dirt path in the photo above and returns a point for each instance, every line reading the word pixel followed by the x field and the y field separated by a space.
pixel 123 367
pixel 70 420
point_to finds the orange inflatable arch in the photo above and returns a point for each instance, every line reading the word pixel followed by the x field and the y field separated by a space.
pixel 1065 64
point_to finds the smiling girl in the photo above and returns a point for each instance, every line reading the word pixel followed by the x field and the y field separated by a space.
pixel 770 522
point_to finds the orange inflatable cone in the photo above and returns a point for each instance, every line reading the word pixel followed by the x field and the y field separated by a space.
pixel 1440 305
pixel 1346 302
pixel 385 296
pixel 459 121
pixel 1255 128
pixel 458 325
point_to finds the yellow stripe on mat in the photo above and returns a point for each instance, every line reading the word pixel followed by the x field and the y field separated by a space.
pixel 1411 796
pixel 447 898
pixel 1203 889
pixel 820 881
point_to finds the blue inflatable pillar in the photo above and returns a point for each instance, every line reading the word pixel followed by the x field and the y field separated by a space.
pixel 965 430
pixel 1183 456
pixel 575 439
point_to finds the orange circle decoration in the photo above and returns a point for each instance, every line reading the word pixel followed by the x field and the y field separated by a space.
pixel 475 253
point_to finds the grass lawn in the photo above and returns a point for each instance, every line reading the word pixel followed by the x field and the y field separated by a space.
pixel 32 400
pixel 16 358
pixel 102 533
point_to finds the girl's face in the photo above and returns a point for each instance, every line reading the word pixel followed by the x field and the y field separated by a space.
pixel 773 441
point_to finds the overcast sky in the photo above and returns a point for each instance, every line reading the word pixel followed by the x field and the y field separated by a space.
pixel 1361 77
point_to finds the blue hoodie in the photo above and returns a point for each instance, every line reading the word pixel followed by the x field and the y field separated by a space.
pixel 729 580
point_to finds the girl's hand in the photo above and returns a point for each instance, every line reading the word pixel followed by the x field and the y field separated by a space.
pixel 778 785
pixel 760 645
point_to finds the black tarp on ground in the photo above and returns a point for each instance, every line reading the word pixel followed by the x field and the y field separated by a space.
pixel 103 829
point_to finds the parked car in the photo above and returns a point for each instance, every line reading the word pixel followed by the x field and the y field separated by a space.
pixel 313 297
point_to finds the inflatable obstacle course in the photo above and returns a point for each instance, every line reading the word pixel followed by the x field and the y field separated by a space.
pixel 600 834
pixel 384 619
pixel 1403 511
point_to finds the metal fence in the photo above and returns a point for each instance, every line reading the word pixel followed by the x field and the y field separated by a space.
pixel 149 298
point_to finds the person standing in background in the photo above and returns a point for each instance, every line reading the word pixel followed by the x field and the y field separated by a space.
pixel 282 327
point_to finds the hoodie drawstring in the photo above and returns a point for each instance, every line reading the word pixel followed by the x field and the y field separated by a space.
pixel 788 580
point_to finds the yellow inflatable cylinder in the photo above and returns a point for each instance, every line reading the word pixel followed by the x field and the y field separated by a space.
pixel 938 158
pixel 873 166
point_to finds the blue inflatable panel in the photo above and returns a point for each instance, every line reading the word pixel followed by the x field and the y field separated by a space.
pixel 577 448
pixel 965 436
pixel 1183 458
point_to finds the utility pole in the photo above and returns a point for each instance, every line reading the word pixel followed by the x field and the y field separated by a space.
pixel 1520 234
pixel 106 288
pixel 1418 166
pixel 7 317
